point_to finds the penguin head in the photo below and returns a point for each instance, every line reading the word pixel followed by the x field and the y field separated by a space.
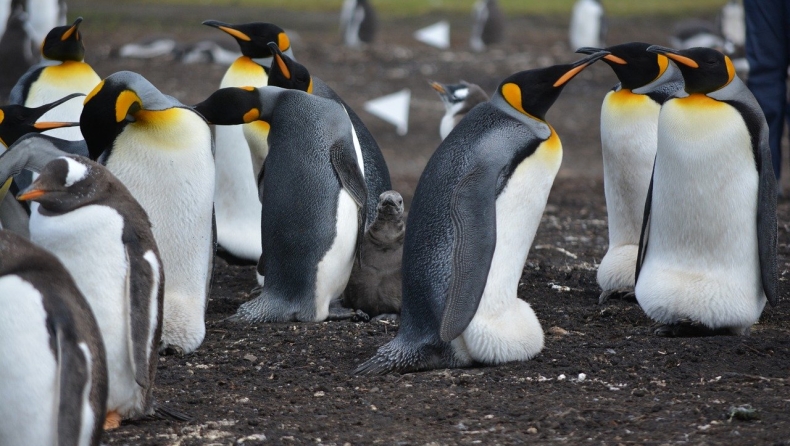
pixel 67 183
pixel 704 70
pixel 632 64
pixel 17 120
pixel 288 73
pixel 253 38
pixel 121 99
pixel 451 93
pixel 231 106
pixel 64 43
pixel 533 92
pixel 390 205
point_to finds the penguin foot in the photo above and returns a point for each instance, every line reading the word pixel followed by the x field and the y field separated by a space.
pixel 688 329
pixel 626 294
pixel 340 313
pixel 387 318
pixel 112 420
pixel 171 350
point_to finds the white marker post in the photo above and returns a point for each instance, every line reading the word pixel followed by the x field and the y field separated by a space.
pixel 393 108
pixel 437 35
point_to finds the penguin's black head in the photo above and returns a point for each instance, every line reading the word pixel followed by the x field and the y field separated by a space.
pixel 253 38
pixel 533 92
pixel 67 183
pixel 390 204
pixel 17 120
pixel 632 64
pixel 231 106
pixel 64 43
pixel 288 73
pixel 451 93
pixel 704 70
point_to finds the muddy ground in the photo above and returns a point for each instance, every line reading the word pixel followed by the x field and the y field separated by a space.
pixel 291 383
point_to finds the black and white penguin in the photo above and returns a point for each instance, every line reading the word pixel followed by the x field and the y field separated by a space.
pixel 287 73
pixel 94 226
pixel 488 25
pixel 707 258
pixel 313 196
pixel 16 51
pixel 162 152
pixel 629 122
pixel 458 99
pixel 52 361
pixel 358 22
pixel 588 24
pixel 474 215
pixel 236 197
pixel 43 15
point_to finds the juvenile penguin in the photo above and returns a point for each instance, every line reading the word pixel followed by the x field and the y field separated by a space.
pixel 313 196
pixel 707 255
pixel 287 73
pixel 588 24
pixel 458 99
pixel 53 372
pixel 94 226
pixel 236 196
pixel 162 152
pixel 474 215
pixel 629 122
pixel 375 283
pixel 488 25
pixel 358 22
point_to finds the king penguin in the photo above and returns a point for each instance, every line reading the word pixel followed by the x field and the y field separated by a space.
pixel 588 24
pixel 287 73
pixel 474 215
pixel 358 22
pixel 488 25
pixel 236 196
pixel 707 255
pixel 629 122
pixel 313 196
pixel 53 371
pixel 458 99
pixel 162 151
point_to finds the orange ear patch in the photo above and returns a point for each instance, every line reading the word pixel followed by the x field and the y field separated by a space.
pixel 124 103
pixel 283 42
pixel 251 115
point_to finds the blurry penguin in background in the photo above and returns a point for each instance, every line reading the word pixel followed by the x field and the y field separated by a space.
pixel 458 99
pixel 733 23
pixel 358 22
pixel 15 48
pixel 43 15
pixel 488 25
pixel 693 33
pixel 588 24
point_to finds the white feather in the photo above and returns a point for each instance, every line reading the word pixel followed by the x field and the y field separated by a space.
pixel 585 29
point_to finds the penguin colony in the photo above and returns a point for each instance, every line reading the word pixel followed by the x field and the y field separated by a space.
pixel 114 265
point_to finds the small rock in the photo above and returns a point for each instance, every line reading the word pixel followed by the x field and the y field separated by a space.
pixel 582 376
pixel 557 331
pixel 373 408
pixel 532 431
pixel 638 392
pixel 744 413
pixel 319 394
pixel 488 417
pixel 561 377
pixel 251 358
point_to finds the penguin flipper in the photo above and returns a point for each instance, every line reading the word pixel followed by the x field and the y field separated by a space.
pixel 141 287
pixel 766 217
pixel 347 169
pixel 30 152
pixel 13 216
pixel 473 214
pixel 640 256
pixel 73 376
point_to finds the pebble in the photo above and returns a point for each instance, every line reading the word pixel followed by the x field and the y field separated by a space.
pixel 532 431
pixel 557 331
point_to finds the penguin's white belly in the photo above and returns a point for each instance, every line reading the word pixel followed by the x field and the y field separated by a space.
pixel 171 174
pixel 629 125
pixel 447 124
pixel 505 328
pixel 585 29
pixel 702 261
pixel 28 367
pixel 88 243
pixel 334 269
pixel 43 16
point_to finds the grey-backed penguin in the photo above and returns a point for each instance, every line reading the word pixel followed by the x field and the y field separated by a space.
pixel 287 73
pixel 588 24
pixel 458 99
pixel 102 235
pixel 313 197
pixel 53 371
pixel 236 196
pixel 474 215
pixel 15 49
pixel 488 25
pixel 707 255
pixel 162 152
pixel 629 122
pixel 358 22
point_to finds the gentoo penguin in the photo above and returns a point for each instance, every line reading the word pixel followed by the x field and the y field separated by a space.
pixel 287 73
pixel 94 226
pixel 375 283
pixel 236 197
pixel 588 24
pixel 707 255
pixel 162 151
pixel 458 99
pixel 53 371
pixel 629 119
pixel 313 197
pixel 488 25
pixel 358 22
pixel 473 218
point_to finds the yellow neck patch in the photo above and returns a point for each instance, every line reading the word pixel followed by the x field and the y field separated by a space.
pixel 626 98
pixel 245 65
pixel 699 100
pixel 261 126
pixel 124 103
pixel 553 143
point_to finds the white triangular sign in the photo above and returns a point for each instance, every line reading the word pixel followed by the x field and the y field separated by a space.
pixel 393 108
pixel 437 35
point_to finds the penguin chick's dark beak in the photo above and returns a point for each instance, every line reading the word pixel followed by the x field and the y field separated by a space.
pixel 228 28
pixel 438 87
pixel 278 56
pixel 578 66
pixel 74 27
pixel 674 55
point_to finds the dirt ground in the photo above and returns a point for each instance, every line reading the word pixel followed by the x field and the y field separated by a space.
pixel 602 378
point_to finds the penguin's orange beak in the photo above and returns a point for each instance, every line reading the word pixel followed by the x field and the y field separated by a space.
pixel 674 55
pixel 31 195
pixel 438 87
pixel 54 125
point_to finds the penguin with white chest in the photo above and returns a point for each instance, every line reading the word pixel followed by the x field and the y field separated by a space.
pixel 707 257
pixel 53 372
pixel 358 22
pixel 629 122
pixel 162 152
pixel 313 196
pixel 236 201
pixel 91 222
pixel 458 99
pixel 474 215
